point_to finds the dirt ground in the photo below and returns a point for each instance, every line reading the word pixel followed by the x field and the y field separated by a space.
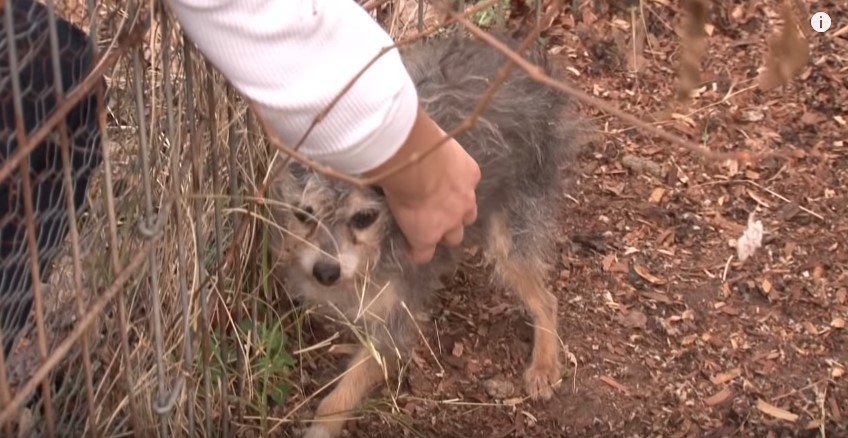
pixel 667 332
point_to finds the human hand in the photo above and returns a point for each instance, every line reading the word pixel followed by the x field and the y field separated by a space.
pixel 433 199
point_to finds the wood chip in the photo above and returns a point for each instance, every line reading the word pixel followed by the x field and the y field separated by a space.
pixel 838 323
pixel 726 377
pixel 730 310
pixel 656 195
pixel 609 260
pixel 814 424
pixel 656 296
pixel 776 412
pixel 648 276
pixel 719 397
pixel 766 285
pixel 614 383
pixel 458 348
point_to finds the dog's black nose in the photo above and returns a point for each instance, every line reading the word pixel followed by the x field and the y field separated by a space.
pixel 326 273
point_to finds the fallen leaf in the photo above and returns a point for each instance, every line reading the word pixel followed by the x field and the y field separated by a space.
pixel 648 276
pixel 775 411
pixel 751 239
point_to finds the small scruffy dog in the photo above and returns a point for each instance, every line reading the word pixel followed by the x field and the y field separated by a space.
pixel 337 246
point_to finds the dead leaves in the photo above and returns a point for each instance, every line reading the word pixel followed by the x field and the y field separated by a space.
pixel 646 275
pixel 633 319
pixel 788 53
pixel 750 240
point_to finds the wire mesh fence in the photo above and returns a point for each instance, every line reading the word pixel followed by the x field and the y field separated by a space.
pixel 117 142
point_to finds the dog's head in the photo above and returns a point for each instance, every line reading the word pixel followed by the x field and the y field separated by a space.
pixel 331 230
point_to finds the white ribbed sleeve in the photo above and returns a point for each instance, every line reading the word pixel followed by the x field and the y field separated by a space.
pixel 292 57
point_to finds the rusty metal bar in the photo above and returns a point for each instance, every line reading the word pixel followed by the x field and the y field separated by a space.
pixel 71 211
pixel 152 227
pixel 128 367
pixel 35 272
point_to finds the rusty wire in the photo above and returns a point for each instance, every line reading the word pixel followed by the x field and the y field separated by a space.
pixel 144 351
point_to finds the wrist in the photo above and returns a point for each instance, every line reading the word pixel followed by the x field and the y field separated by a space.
pixel 420 179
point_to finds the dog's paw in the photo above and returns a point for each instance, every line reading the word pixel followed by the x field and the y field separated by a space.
pixel 318 431
pixel 541 378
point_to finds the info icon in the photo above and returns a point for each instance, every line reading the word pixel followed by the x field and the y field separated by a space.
pixel 821 22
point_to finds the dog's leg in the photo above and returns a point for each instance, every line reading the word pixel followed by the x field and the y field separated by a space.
pixel 525 276
pixel 361 376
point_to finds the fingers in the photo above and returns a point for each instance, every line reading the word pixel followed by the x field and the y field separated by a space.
pixel 454 236
pixel 471 217
pixel 422 254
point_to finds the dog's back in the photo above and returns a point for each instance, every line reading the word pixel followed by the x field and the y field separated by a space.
pixel 521 136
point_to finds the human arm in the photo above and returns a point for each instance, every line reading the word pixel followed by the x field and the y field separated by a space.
pixel 293 57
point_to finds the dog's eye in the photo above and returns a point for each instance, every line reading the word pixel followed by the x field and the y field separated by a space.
pixel 304 215
pixel 363 219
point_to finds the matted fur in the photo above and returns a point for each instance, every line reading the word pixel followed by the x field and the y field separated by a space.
pixel 522 142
